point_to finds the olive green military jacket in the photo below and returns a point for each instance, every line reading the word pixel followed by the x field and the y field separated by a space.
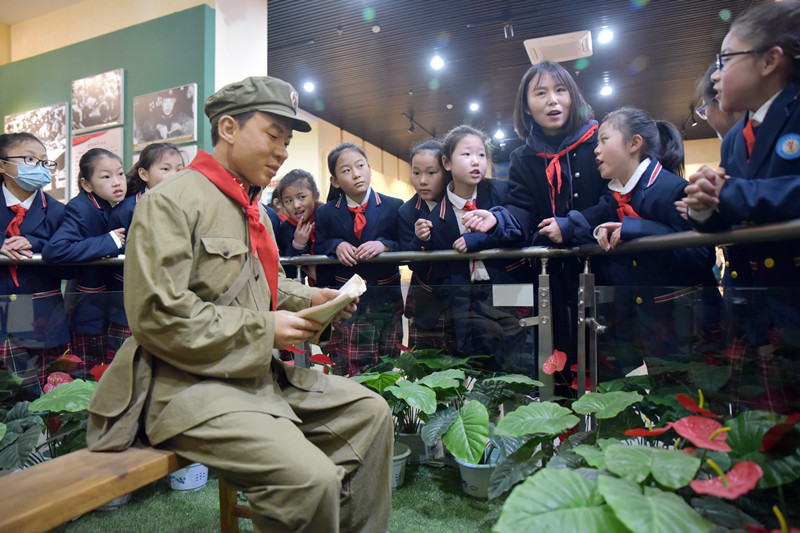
pixel 186 245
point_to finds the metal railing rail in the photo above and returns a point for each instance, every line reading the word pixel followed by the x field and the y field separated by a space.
pixel 762 233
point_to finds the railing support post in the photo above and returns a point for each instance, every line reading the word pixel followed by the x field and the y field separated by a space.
pixel 545 313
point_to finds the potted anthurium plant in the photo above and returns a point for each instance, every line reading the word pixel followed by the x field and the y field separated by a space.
pixel 465 426
pixel 682 467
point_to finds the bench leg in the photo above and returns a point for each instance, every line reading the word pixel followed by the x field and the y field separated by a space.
pixel 230 510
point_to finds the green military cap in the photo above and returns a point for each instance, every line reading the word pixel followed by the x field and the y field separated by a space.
pixel 256 93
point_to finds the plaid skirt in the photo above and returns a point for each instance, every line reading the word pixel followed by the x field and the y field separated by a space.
pixel 117 333
pixel 356 343
pixel 31 364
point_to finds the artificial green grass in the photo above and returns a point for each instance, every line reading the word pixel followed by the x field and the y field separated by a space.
pixel 430 501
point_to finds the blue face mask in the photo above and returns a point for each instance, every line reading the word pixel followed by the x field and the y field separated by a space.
pixel 31 178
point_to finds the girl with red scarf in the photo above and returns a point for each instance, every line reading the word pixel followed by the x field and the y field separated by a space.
pixel 296 234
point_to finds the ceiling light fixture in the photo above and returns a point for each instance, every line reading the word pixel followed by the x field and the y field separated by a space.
pixel 309 87
pixel 413 124
pixel 606 90
pixel 474 106
pixel 605 36
pixel 437 62
pixel 499 134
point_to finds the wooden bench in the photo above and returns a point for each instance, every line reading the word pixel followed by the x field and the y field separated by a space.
pixel 44 496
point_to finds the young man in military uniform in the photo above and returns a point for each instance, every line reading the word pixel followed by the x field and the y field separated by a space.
pixel 207 301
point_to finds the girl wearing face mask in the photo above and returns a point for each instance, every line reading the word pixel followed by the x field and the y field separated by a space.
pixel 84 236
pixel 38 332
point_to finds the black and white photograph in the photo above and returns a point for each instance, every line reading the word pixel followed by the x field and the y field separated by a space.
pixel 97 101
pixel 49 124
pixel 168 115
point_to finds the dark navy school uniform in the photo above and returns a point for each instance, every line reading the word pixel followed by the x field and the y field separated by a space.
pixel 375 328
pixel 83 236
pixel 284 235
pixel 49 326
pixel 763 190
pixel 120 217
pixel 652 199
pixel 480 328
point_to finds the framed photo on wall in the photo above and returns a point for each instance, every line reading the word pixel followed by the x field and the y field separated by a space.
pixel 97 101
pixel 111 140
pixel 165 116
pixel 49 125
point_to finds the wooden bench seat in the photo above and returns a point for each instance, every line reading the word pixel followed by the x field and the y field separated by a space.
pixel 44 496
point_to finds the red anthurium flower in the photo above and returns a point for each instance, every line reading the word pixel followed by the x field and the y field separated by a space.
pixel 689 450
pixel 642 432
pixel 97 371
pixel 775 434
pixel 741 479
pixel 53 423
pixel 692 406
pixel 292 349
pixel 321 359
pixel 54 379
pixel 66 362
pixel 403 348
pixel 555 363
pixel 703 432
pixel 574 384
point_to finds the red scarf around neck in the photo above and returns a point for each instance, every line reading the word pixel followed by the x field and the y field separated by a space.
pixel 260 241
pixel 625 209
pixel 553 170
pixel 13 231
pixel 360 221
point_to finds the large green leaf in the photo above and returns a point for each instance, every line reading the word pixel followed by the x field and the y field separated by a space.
pixel 468 435
pixel 708 378
pixel 670 468
pixel 70 397
pixel 557 500
pixel 512 470
pixel 9 384
pixel 515 379
pixel 2 431
pixel 592 455
pixel 446 379
pixel 655 511
pixel 378 381
pixel 437 424
pixel 415 395
pixel 748 430
pixel 605 405
pixel 537 418
pixel 15 452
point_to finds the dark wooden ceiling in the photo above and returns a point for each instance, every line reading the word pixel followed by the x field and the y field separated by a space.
pixel 365 81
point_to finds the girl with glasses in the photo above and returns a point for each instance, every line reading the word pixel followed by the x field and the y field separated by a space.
pixel 31 335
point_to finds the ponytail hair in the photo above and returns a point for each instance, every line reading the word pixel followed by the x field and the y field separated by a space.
pixel 151 155
pixel 660 139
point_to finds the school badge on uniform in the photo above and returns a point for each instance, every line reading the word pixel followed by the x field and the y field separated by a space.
pixel 788 146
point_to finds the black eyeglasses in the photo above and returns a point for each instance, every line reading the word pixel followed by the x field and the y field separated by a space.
pixel 720 57
pixel 702 111
pixel 31 161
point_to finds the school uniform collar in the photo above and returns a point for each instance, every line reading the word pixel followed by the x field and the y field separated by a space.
pixel 758 117
pixel 13 200
pixel 617 186
pixel 456 200
pixel 353 204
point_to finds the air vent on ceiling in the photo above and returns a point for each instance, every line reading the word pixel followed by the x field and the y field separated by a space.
pixel 562 47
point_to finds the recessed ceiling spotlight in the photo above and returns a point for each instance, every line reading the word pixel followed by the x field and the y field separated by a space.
pixel 605 36
pixel 309 87
pixel 474 106
pixel 437 62
pixel 606 90
pixel 499 134
pixel 449 106
pixel 376 29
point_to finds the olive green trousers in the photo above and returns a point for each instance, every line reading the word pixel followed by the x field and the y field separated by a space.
pixel 330 473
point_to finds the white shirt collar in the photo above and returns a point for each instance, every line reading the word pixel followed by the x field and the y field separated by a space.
pixel 759 116
pixel 352 203
pixel 456 200
pixel 13 200
pixel 617 186
pixel 431 204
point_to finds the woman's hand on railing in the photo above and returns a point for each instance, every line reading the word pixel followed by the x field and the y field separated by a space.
pixel 479 220
pixel 549 228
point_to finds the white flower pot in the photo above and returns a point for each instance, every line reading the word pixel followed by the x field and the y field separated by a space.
pixel 192 477
pixel 401 453
pixel 475 478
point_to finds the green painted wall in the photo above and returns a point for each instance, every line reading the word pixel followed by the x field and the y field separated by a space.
pixel 167 52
